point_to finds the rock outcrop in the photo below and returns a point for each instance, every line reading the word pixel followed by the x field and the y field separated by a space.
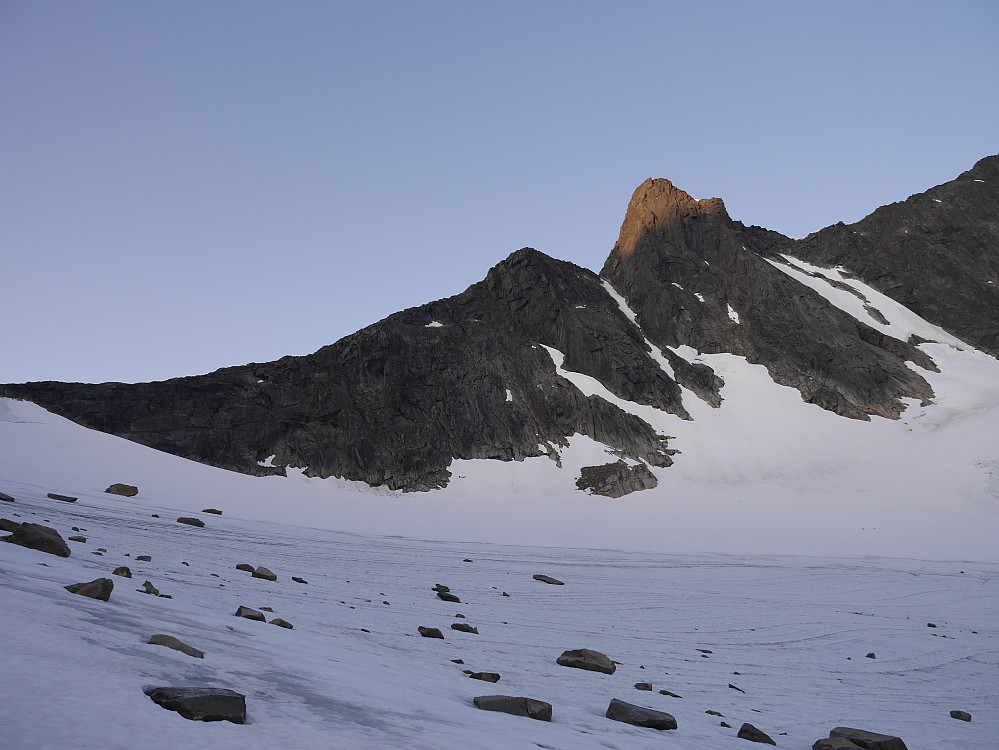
pixel 38 537
pixel 201 704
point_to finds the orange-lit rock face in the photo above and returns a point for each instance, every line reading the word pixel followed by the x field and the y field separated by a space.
pixel 658 208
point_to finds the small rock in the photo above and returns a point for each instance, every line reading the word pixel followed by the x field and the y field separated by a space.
pixel 725 724
pixel 267 609
pixel 202 704
pixel 448 597
pixel 671 695
pixel 281 623
pixel 169 641
pixel 871 655
pixel 869 740
pixel 548 579
pixel 962 715
pixel 77 538
pixel 464 627
pixel 122 571
pixel 467 559
pixel 7 525
pixel 714 713
pixel 101 549
pixel 191 521
pixel 749 732
pixel 505 594
pixel 213 511
pixel 250 614
pixel 705 650
pixel 296 579
pixel 458 661
pixel 931 625
pixel 437 587
pixel 643 686
pixel 518 706
pixel 459 615
pixel 639 716
pixel 245 566
pixel 144 558
pixel 6 498
pixel 148 588
pixel 99 588
pixel 736 688
pixel 125 490
pixel 430 632
pixel 155 515
pixel 64 498
pixel 584 658
pixel 262 572
pixel 165 596
pixel 184 563
pixel 40 538
pixel 485 676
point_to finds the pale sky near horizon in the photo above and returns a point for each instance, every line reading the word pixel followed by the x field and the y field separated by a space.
pixel 187 185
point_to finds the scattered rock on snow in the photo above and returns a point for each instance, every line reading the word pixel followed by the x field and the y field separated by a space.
pixel 485 676
pixel 868 740
pixel 671 695
pixel 584 658
pixel 191 521
pixel 262 572
pixel 122 571
pixel 6 498
pixel 735 687
pixel 430 632
pixel 99 588
pixel 962 715
pixel 639 716
pixel 749 732
pixel 245 566
pixel 201 704
pixel 64 498
pixel 464 627
pixel 37 537
pixel 714 713
pixel 250 614
pixel 213 511
pixel 144 558
pixel 77 538
pixel 160 639
pixel 7 525
pixel 296 579
pixel 834 743
pixel 518 706
pixel 548 579
pixel 643 686
pixel 125 490
pixel 448 597
pixel 281 623
pixel 871 655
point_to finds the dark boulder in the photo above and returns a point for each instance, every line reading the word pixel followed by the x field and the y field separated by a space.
pixel 63 498
pixel 834 743
pixel 201 704
pixel 464 627
pixel 191 521
pixel 749 732
pixel 250 614
pixel 518 706
pixel 148 588
pixel 77 538
pixel 962 715
pixel 41 538
pixel 643 686
pixel 7 525
pixel 169 641
pixel 125 490
pixel 485 676
pixel 245 566
pixel 639 716
pixel 616 479
pixel 261 572
pixel 144 558
pixel 6 498
pixel 869 740
pixel 584 658
pixel 281 623
pixel 430 632
pixel 99 588
pixel 296 579
pixel 213 511
pixel 448 597
pixel 548 579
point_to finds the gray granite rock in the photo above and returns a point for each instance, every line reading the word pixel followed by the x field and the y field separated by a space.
pixel 99 588
pixel 869 740
pixel 584 658
pixel 485 676
pixel 281 623
pixel 962 715
pixel 548 579
pixel 748 732
pixel 191 521
pixel 518 706
pixel 250 614
pixel 430 632
pixel 41 538
pixel 63 498
pixel 639 716
pixel 261 572
pixel 125 490
pixel 201 704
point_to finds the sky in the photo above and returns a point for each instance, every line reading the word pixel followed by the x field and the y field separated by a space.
pixel 186 186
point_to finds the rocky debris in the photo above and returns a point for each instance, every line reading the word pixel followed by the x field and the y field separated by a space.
pixel 639 716
pixel 99 588
pixel 213 511
pixel 261 572
pixel 868 740
pixel 643 686
pixel 122 571
pixel 668 693
pixel 41 538
pixel 616 479
pixel 266 609
pixel 250 614
pixel 296 579
pixel 64 498
pixel 714 713
pixel 148 588
pixel 191 521
pixel 485 676
pixel 871 655
pixel 584 658
pixel 448 597
pixel 125 490
pixel 144 558
pixel 931 624
pixel 464 627
pixel 749 732
pixel 6 498
pixel 201 704
pixel 77 538
pixel 245 566
pixel 735 687
pixel 430 632
pixel 834 743
pixel 7 525
pixel 962 715
pixel 169 641
pixel 281 623
pixel 518 706
pixel 548 579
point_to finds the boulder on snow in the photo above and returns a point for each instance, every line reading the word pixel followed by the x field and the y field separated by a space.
pixel 144 558
pixel 464 627
pixel 6 498
pixel 281 623
pixel 868 740
pixel 296 579
pixel 584 658
pixel 262 572
pixel 213 511
pixel 7 525
pixel 64 498
pixel 250 614
pixel 548 579
pixel 962 715
pixel 191 521
pixel 161 639
pixel 77 538
pixel 748 732
pixel 448 597
pixel 201 704
pixel 430 632
pixel 518 706
pixel 485 676
pixel 639 716
pixel 38 537
pixel 125 490
pixel 245 566
pixel 148 588
pixel 834 743
pixel 99 588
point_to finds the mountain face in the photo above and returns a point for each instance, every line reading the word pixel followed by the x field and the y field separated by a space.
pixel 470 377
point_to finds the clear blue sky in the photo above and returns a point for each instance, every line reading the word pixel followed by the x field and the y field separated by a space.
pixel 191 185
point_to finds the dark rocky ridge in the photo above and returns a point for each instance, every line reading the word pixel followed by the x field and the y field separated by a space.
pixel 466 377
